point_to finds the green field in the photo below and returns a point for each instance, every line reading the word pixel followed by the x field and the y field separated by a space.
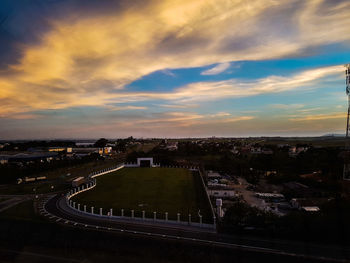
pixel 172 190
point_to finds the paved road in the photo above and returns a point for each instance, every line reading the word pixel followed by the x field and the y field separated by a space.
pixel 12 200
pixel 57 210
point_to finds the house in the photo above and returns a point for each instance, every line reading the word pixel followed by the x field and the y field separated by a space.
pixel 4 160
pixel 213 175
pixel 172 146
pixel 78 181
pixel 310 208
pixel 308 204
pixel 271 173
pixel 267 151
pixel 317 176
pixel 221 193
pixel 270 196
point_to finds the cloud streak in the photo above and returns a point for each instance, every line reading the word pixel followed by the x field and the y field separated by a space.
pixel 317 117
pixel 217 69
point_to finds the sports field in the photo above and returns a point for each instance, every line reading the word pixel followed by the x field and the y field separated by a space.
pixel 172 190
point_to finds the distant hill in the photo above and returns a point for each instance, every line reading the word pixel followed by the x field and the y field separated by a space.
pixel 333 135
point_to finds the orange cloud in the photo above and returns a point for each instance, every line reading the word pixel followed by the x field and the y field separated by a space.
pixel 89 61
pixel 316 117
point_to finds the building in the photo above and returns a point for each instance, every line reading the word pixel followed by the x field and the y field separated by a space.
pixel 219 210
pixel 57 149
pixel 107 150
pixel 221 193
pixel 4 160
pixel 213 175
pixel 308 204
pixel 215 184
pixel 310 208
pixel 270 196
pixel 78 181
pixel 28 156
pixel 172 146
pixel 87 150
pixel 317 176
pixel 271 173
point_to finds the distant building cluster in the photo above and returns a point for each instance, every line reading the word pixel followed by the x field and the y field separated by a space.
pixel 49 154
pixel 229 189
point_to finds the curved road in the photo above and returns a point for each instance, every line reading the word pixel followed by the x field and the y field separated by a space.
pixel 56 209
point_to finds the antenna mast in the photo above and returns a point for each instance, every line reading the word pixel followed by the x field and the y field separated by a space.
pixel 346 172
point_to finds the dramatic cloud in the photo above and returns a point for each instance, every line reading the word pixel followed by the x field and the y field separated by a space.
pixel 88 61
pixel 195 92
pixel 88 58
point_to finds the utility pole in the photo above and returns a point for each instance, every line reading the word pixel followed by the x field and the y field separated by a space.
pixel 346 171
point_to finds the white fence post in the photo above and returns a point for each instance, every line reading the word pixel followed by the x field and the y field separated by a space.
pixel 166 216
pixel 154 216
pixel 92 210
pixel 100 211
pixel 132 213
pixel 111 212
pixel 122 211
pixel 143 215
pixel 85 208
pixel 178 217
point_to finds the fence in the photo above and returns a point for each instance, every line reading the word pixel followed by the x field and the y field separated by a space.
pixel 106 171
pixel 207 194
pixel 159 218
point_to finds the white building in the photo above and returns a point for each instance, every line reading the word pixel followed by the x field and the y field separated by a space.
pixel 212 175
pixel 221 193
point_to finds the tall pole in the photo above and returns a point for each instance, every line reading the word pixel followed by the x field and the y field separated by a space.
pixel 347 121
pixel 346 171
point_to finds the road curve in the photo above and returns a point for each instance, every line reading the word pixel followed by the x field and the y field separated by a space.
pixel 56 209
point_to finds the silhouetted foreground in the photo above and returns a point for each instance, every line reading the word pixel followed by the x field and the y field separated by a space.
pixel 28 241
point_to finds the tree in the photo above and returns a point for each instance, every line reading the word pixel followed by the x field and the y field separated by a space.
pixel 101 143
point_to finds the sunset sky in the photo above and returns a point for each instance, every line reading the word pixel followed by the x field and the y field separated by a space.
pixel 172 68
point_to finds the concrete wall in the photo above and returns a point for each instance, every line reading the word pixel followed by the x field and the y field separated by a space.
pixel 130 165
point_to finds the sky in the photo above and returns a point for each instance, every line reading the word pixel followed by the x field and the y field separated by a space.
pixel 172 68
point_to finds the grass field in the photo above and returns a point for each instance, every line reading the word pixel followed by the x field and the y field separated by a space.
pixel 57 178
pixel 172 190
